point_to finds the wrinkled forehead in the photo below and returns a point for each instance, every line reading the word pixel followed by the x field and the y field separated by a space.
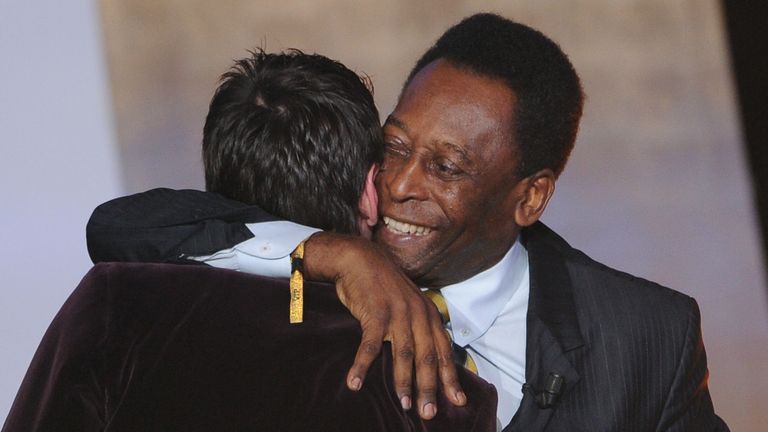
pixel 444 86
pixel 443 102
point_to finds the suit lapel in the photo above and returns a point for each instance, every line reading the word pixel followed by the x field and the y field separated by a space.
pixel 553 328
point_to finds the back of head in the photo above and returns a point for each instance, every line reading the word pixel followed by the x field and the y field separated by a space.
pixel 547 88
pixel 295 134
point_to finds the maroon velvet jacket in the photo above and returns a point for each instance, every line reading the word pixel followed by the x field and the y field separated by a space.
pixel 163 347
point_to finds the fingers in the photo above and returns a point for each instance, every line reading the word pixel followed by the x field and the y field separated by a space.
pixel 426 362
pixel 398 312
pixel 403 353
pixel 446 366
pixel 370 346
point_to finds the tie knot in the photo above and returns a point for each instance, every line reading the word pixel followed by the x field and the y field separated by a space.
pixel 439 301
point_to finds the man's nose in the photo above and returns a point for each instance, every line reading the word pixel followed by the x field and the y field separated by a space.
pixel 407 180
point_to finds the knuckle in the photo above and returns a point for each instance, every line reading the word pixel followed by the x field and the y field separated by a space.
pixel 406 353
pixel 429 359
pixel 445 359
pixel 399 307
pixel 370 347
pixel 423 306
pixel 445 339
pixel 450 381
pixel 428 391
pixel 403 385
pixel 378 319
pixel 380 315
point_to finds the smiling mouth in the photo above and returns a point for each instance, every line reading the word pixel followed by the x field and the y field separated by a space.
pixel 405 228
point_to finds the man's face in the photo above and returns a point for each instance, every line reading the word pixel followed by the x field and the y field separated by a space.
pixel 447 188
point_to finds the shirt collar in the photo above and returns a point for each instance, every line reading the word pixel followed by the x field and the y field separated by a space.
pixel 474 304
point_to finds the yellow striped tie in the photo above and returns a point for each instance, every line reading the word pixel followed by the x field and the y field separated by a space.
pixel 461 355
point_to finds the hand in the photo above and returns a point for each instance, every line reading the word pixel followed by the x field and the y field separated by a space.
pixel 390 308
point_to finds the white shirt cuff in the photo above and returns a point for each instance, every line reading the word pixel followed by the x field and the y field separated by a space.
pixel 267 253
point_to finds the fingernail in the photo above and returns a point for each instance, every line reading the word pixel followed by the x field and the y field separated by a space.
pixel 430 410
pixel 461 398
pixel 355 383
pixel 405 401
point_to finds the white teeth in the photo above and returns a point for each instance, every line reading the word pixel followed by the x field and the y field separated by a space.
pixel 405 228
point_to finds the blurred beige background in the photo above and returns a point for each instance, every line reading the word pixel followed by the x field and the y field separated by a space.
pixel 657 185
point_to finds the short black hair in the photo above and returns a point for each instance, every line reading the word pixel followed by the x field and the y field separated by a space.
pixel 548 90
pixel 294 133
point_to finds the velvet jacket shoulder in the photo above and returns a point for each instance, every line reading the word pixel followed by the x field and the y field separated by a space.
pixel 162 347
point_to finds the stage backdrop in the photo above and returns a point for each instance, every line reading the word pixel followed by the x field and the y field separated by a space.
pixel 656 186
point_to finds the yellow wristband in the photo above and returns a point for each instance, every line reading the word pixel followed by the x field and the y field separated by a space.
pixel 297 285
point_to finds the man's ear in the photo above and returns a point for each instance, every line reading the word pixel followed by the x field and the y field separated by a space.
pixel 369 200
pixel 537 189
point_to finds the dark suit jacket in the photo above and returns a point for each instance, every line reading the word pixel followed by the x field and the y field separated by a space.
pixel 163 347
pixel 630 350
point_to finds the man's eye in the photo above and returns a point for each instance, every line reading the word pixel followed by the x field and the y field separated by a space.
pixel 447 168
pixel 395 149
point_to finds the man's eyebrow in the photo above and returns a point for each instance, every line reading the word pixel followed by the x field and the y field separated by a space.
pixel 465 156
pixel 391 119
pixel 455 148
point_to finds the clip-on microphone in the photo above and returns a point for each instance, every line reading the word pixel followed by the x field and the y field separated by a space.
pixel 553 388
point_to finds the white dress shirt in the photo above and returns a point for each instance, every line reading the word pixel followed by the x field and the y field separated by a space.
pixel 488 317
pixel 488 311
